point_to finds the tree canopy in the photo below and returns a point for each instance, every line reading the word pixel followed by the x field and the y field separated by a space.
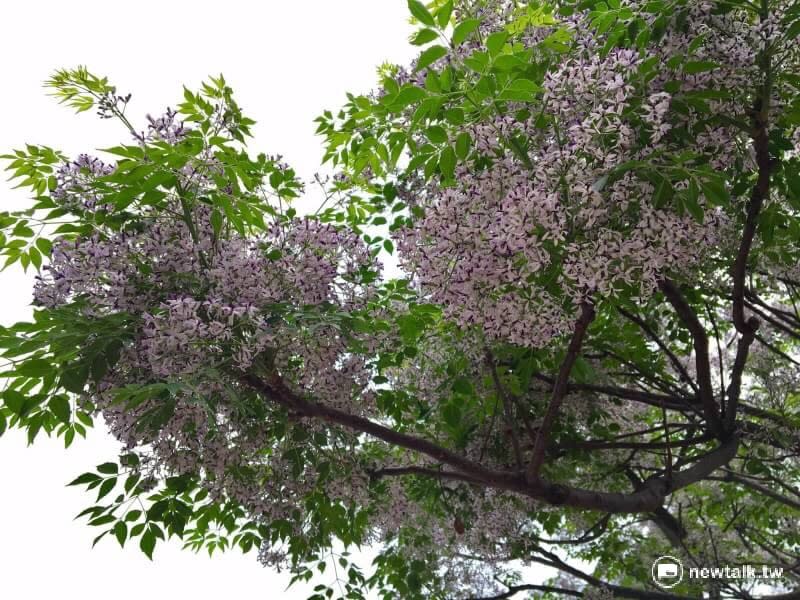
pixel 547 313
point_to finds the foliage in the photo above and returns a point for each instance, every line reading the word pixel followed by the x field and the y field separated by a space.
pixel 587 353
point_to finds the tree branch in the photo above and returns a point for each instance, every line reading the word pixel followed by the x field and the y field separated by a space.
pixel 559 390
pixel 423 471
pixel 513 590
pixel 731 477
pixel 647 499
pixel 660 343
pixel 739 363
pixel 702 360
pixel 501 394
pixel 760 137
pixel 603 445
pixel 651 398
pixel 618 590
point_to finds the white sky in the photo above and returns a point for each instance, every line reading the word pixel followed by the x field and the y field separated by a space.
pixel 287 61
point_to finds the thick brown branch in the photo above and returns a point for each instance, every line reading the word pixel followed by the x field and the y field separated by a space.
pixel 609 445
pixel 779 325
pixel 787 317
pixel 423 471
pixel 760 136
pixel 559 391
pixel 739 363
pixel 647 499
pixel 702 360
pixel 651 398
pixel 513 590
pixel 274 389
pixel 677 403
pixel 671 527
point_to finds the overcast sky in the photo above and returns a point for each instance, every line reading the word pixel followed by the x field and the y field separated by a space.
pixel 287 61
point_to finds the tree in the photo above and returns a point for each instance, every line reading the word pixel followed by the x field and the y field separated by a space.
pixel 585 349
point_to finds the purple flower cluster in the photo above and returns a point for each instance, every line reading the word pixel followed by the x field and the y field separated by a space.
pixel 207 308
pixel 167 128
pixel 74 182
pixel 491 248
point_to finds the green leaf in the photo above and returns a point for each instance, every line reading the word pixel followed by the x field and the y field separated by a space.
pixel 699 66
pixel 429 56
pixel 696 42
pixel 44 246
pixel 410 328
pixel 60 407
pixel 216 222
pixel 98 538
pixel 421 13
pixel 84 479
pixel 462 385
pixel 663 192
pixel 15 401
pixel 432 82
pixel 35 257
pixel 463 143
pixel 106 487
pixel 452 415
pixel 715 192
pixel 109 468
pixel 558 40
pixel 103 520
pixel 147 543
pixel 120 532
pixel 444 13
pixel 454 116
pixel 507 62
pixel 22 230
pixel 99 367
pixel 447 162
pixel 130 482
pixel 34 425
pixel 436 134
pixel 424 36
pixel 793 187
pixel 582 370
pixel 35 367
pixel 463 29
pixel 73 379
pixel 793 30
pixel 495 42
pixel 522 90
pixel 408 95
pixel 179 484
pixel 691 202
